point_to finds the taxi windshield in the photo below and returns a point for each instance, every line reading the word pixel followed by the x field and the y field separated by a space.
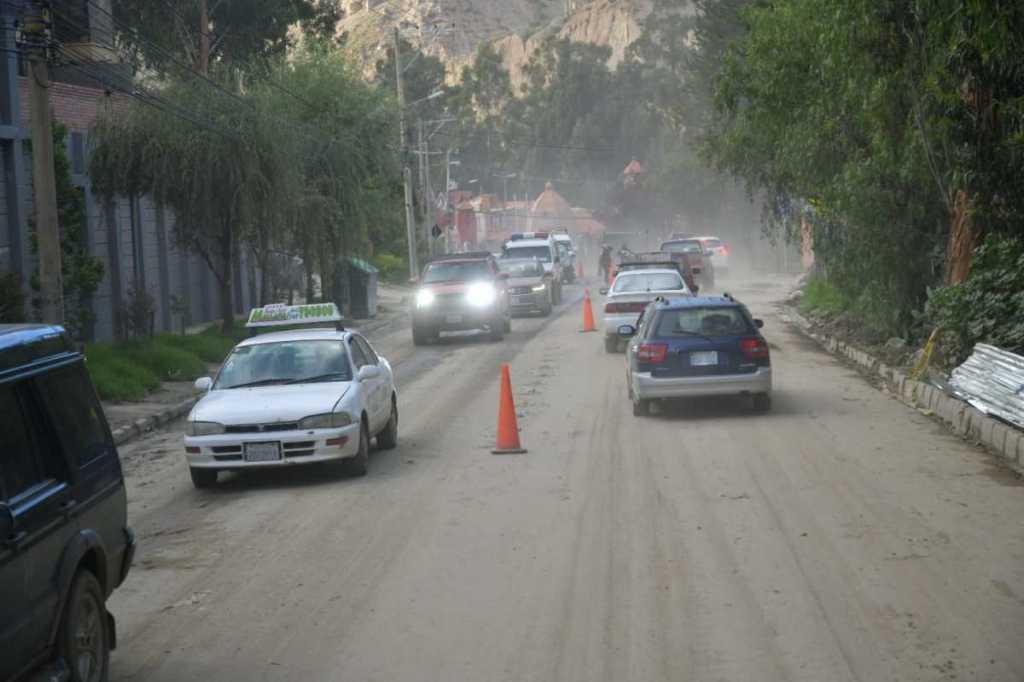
pixel 525 267
pixel 285 362
pixel 456 271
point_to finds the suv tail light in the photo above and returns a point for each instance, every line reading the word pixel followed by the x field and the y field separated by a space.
pixel 725 249
pixel 637 307
pixel 652 353
pixel 754 349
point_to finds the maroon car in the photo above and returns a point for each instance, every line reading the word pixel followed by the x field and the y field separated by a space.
pixel 697 258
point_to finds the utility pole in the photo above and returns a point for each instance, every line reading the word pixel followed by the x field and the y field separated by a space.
pixel 204 37
pixel 410 222
pixel 51 285
pixel 449 208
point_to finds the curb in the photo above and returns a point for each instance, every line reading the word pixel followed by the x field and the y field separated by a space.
pixel 141 426
pixel 964 420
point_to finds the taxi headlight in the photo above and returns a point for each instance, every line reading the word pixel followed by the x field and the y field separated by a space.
pixel 480 294
pixel 540 287
pixel 424 298
pixel 334 420
pixel 204 428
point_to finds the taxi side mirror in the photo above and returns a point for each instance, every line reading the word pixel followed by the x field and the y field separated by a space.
pixel 204 384
pixel 367 372
pixel 627 331
pixel 413 281
pixel 604 291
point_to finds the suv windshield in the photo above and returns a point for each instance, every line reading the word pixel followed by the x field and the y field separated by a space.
pixel 683 246
pixel 541 253
pixel 521 267
pixel 285 362
pixel 711 321
pixel 641 281
pixel 456 271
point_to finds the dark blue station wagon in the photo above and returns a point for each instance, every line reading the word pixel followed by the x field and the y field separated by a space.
pixel 697 346
pixel 64 539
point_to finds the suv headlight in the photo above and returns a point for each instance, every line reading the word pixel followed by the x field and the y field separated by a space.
pixel 424 298
pixel 480 294
pixel 204 428
pixel 334 420
pixel 540 287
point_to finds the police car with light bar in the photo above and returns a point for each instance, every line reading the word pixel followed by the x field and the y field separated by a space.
pixel 293 396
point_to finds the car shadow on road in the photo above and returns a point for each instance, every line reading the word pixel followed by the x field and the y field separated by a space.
pixel 720 407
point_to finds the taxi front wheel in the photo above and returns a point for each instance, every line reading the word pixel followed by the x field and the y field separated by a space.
pixel 358 465
pixel 203 478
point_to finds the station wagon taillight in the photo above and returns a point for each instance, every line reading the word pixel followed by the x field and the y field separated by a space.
pixel 652 353
pixel 754 349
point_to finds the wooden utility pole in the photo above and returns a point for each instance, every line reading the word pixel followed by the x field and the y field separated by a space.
pixel 410 221
pixel 44 184
pixel 204 37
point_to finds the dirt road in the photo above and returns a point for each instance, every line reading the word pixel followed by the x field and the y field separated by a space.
pixel 841 537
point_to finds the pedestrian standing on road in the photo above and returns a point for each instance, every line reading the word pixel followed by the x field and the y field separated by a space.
pixel 604 263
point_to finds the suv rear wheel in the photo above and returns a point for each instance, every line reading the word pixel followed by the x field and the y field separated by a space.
pixel 641 408
pixel 83 638
pixel 419 337
pixel 203 478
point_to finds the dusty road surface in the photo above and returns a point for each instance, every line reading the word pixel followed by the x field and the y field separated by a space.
pixel 841 537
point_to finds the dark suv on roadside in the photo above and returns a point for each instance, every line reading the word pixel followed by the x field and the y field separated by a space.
pixel 64 540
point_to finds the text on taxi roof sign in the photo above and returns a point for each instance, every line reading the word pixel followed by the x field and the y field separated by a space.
pixel 278 314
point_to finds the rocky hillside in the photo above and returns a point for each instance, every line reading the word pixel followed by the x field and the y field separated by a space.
pixel 452 29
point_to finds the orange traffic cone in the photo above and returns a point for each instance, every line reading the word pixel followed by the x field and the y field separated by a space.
pixel 508 428
pixel 588 313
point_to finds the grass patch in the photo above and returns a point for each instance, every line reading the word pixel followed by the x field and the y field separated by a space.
pixel 116 377
pixel 128 371
pixel 822 297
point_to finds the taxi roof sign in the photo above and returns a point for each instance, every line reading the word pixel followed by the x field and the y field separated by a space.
pixel 280 314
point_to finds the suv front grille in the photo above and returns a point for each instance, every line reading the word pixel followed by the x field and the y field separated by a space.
pixel 521 290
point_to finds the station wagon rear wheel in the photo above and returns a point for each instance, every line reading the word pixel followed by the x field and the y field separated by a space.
pixel 83 636
pixel 641 408
pixel 762 402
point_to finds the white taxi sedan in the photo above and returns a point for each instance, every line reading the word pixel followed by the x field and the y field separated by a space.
pixel 631 292
pixel 289 398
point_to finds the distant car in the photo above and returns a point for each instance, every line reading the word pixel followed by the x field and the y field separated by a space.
pixel 65 544
pixel 542 246
pixel 529 290
pixel 630 294
pixel 697 256
pixel 461 292
pixel 568 253
pixel 662 259
pixel 719 253
pixel 289 398
pixel 697 346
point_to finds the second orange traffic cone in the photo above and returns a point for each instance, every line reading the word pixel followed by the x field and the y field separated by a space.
pixel 588 313
pixel 508 428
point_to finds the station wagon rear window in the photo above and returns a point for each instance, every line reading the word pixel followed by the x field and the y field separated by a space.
pixel 641 281
pixel 710 321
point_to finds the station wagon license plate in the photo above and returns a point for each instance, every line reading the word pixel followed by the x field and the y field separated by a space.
pixel 453 319
pixel 704 358
pixel 262 452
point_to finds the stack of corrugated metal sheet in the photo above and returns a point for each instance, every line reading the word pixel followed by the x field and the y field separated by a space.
pixel 992 380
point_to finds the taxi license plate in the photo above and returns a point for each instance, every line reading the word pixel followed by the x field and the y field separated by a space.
pixel 453 319
pixel 704 358
pixel 262 452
